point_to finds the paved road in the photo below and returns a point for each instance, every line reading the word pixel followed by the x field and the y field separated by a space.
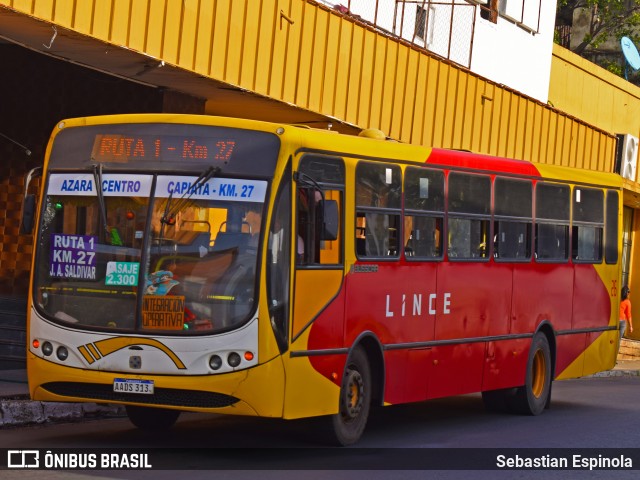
pixel 592 413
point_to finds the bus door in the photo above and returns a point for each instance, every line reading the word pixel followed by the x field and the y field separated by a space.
pixel 319 189
pixel 316 325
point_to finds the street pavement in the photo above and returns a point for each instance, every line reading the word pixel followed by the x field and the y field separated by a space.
pixel 17 409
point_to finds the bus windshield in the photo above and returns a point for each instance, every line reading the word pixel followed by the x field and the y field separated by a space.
pixel 152 253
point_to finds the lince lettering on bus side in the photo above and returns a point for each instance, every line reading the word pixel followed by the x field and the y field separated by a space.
pixel 411 305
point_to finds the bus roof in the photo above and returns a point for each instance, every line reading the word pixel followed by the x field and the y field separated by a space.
pixel 306 138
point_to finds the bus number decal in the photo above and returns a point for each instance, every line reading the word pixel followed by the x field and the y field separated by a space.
pixel 73 256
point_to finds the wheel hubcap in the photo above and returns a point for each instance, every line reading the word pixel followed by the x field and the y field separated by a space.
pixel 538 374
pixel 353 400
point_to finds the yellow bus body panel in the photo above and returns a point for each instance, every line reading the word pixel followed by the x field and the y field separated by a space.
pixel 258 389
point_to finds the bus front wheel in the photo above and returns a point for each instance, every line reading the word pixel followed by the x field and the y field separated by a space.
pixel 533 396
pixel 152 419
pixel 355 399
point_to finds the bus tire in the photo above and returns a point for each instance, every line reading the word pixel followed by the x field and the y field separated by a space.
pixel 355 399
pixel 152 419
pixel 533 397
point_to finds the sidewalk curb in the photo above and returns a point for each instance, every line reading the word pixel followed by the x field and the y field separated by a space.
pixel 22 411
pixel 616 373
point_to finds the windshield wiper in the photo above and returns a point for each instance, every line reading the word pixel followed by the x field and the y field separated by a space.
pixel 97 176
pixel 168 217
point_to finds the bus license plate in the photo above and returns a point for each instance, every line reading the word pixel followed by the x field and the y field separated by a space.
pixel 128 385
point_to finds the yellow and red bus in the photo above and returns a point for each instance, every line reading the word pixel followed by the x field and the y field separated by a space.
pixel 205 264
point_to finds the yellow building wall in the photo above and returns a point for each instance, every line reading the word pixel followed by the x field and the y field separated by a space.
pixel 598 97
pixel 611 103
pixel 310 56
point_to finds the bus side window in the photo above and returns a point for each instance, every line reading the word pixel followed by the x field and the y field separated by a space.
pixel 378 210
pixel 381 235
pixel 611 232
pixel 469 216
pixel 553 204
pixel 424 236
pixel 361 239
pixel 423 213
pixel 513 213
pixel 512 240
pixel 319 206
pixel 588 225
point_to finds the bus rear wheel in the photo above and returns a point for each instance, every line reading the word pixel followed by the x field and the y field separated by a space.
pixel 152 419
pixel 533 396
pixel 355 400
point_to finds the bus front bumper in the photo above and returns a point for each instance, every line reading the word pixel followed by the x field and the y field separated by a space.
pixel 257 391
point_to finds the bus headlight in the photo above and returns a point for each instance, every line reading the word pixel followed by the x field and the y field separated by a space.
pixel 215 362
pixel 47 348
pixel 233 359
pixel 62 353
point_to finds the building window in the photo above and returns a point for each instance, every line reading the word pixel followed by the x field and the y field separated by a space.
pixel 489 11
pixel 421 23
pixel 524 13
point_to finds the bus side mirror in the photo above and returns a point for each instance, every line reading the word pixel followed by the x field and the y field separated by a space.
pixel 27 219
pixel 28 214
pixel 331 220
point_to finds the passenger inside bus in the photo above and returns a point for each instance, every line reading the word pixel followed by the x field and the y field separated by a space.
pixel 161 283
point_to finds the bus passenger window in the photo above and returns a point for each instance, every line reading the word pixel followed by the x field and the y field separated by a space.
pixel 513 214
pixel 588 225
pixel 469 217
pixel 611 233
pixel 512 240
pixel 378 203
pixel 587 244
pixel 468 238
pixel 361 239
pixel 552 242
pixel 424 213
pixel 381 235
pixel 552 222
pixel 425 237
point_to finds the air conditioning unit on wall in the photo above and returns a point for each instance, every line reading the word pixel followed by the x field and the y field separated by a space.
pixel 627 156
